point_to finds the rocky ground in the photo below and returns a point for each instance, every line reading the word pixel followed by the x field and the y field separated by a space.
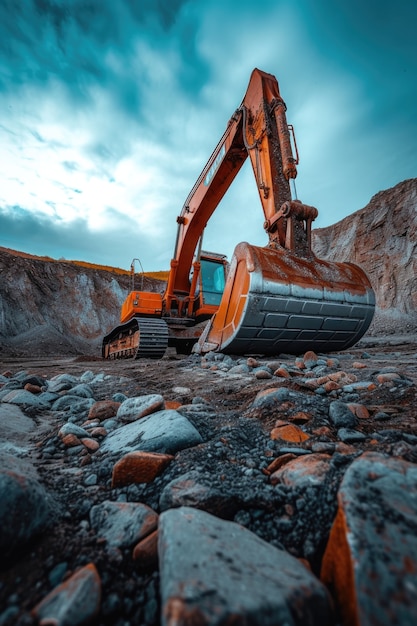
pixel 214 490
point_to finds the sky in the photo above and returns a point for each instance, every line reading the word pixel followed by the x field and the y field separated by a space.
pixel 111 108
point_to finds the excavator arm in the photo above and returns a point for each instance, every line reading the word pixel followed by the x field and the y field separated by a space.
pixel 277 298
pixel 257 129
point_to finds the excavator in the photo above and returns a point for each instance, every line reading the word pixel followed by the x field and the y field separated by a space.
pixel 279 298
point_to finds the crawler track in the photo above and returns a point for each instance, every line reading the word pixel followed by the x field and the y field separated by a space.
pixel 138 338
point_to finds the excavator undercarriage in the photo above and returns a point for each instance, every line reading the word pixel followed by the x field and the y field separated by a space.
pixel 272 299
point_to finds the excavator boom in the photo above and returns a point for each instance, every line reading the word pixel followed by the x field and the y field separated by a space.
pixel 277 298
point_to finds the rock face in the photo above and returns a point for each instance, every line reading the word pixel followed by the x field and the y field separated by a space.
pixel 382 239
pixel 58 307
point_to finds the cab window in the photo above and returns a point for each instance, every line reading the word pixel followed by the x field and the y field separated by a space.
pixel 213 281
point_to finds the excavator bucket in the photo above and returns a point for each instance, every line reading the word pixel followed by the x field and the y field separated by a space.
pixel 276 301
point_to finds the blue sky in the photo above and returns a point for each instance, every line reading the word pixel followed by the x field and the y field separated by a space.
pixel 111 108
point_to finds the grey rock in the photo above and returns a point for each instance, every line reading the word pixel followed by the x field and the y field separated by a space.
pixel 82 390
pixel 72 429
pixel 164 431
pixel 24 398
pixel 25 507
pixel 271 398
pixel 135 408
pixel 122 524
pixel 341 416
pixel 348 435
pixel 214 572
pixel 73 403
pixel 378 505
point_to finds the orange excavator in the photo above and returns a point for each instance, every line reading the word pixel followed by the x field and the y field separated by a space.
pixel 269 300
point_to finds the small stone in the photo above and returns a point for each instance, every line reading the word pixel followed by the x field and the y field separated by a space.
pixel 103 409
pixel 181 391
pixel 301 417
pixel 122 524
pixel 340 415
pixel 310 359
pixel 72 429
pixel 76 601
pixel 145 553
pixel 330 386
pixel 91 444
pixel 289 432
pixel 303 471
pixel 270 397
pixel 348 435
pixel 263 374
pixel 99 431
pixel 33 388
pixel 91 480
pixel 279 462
pixel 388 377
pixel 281 372
pixel 358 365
pixel 70 440
pixel 139 467
pixel 359 410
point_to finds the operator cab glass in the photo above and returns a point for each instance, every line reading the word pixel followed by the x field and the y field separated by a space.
pixel 213 279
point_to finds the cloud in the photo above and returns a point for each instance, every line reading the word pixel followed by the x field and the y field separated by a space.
pixel 111 110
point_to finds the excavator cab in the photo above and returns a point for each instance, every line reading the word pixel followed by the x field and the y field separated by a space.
pixel 212 279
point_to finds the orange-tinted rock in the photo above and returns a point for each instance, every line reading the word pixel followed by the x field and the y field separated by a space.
pixel 370 563
pixel 310 469
pixel 358 365
pixel 322 431
pixel 99 431
pixel 139 467
pixel 32 388
pixel 146 551
pixel 90 423
pixel 281 372
pixel 301 417
pixel 71 440
pixel 76 601
pixel 359 410
pixel 172 404
pixel 289 432
pixel 389 377
pixel 279 462
pixel 91 444
pixel 103 409
pixel 331 385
